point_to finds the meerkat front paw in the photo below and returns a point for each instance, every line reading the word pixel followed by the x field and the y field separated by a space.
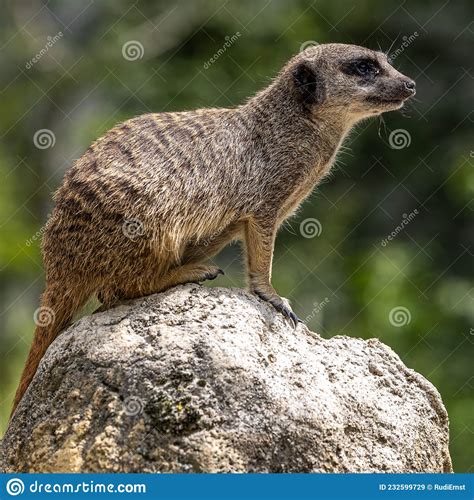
pixel 277 302
pixel 207 273
pixel 212 275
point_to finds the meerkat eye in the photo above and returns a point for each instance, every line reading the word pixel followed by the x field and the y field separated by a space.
pixel 365 68
pixel 361 67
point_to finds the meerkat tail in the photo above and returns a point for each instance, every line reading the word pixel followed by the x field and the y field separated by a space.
pixel 55 313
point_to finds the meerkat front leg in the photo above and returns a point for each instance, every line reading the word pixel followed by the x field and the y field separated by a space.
pixel 259 241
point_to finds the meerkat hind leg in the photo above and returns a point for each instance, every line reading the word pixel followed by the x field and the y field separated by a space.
pixel 192 270
pixel 201 252
pixel 188 273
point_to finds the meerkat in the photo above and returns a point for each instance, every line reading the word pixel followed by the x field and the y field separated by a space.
pixel 152 200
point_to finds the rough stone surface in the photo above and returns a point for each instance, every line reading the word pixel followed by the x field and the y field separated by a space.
pixel 211 379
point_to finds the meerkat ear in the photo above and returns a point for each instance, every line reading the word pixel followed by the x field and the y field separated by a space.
pixel 309 83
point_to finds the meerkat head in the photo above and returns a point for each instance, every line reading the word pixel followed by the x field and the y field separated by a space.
pixel 354 80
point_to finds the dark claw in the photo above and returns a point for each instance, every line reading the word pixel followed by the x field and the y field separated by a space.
pixel 212 276
pixel 288 313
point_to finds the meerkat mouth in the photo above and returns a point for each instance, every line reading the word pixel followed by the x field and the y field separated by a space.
pixel 380 100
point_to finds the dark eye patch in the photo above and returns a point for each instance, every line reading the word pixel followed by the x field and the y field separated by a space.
pixel 365 68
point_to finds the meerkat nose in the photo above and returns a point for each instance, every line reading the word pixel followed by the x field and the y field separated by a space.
pixel 410 85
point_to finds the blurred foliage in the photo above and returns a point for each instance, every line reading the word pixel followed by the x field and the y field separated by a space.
pixel 344 281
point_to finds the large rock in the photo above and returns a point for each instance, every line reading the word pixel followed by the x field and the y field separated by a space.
pixel 210 379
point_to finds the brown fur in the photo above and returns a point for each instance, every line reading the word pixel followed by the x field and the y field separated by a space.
pixel 147 204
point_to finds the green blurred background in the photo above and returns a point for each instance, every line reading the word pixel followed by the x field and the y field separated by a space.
pixel 77 68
